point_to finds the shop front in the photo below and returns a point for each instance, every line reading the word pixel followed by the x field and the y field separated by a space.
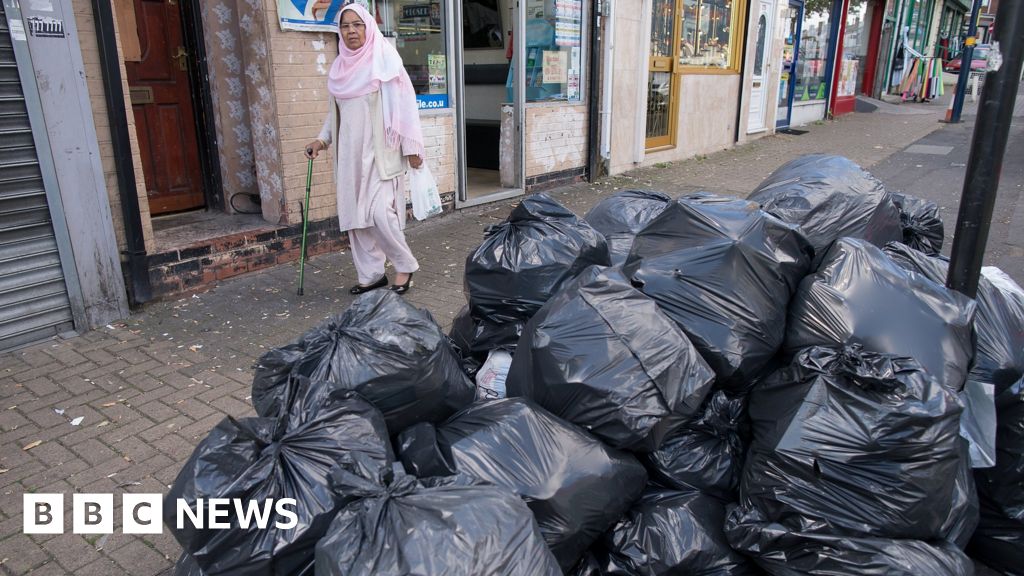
pixel 858 47
pixel 222 97
pixel 675 94
pixel 954 16
pixel 812 68
pixel 914 62
pixel 519 127
pixel 810 40
pixel 495 129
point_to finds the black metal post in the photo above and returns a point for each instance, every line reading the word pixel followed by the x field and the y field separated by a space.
pixel 597 40
pixel 966 57
pixel 139 291
pixel 987 148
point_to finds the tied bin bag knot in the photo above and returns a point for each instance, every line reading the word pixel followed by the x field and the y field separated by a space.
pixel 521 264
pixel 392 353
pixel 260 460
pixel 861 296
pixel 402 525
pixel 923 229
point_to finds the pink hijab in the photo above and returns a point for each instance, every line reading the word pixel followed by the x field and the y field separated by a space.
pixel 377 65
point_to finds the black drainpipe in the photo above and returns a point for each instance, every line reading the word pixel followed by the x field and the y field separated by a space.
pixel 139 290
pixel 743 72
pixel 594 94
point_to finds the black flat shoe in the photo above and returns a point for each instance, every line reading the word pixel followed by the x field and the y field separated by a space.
pixel 359 288
pixel 402 288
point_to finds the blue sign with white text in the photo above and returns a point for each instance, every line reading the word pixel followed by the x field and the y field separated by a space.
pixel 431 101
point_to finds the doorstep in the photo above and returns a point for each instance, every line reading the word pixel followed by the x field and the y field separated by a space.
pixel 198 265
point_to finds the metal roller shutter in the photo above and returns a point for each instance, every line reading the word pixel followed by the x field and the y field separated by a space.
pixel 33 295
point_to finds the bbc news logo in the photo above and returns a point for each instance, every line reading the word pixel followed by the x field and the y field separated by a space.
pixel 143 513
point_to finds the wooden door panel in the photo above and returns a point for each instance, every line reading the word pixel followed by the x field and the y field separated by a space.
pixel 174 134
pixel 165 121
pixel 157 46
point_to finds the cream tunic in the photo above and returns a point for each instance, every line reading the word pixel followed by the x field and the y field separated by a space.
pixel 366 170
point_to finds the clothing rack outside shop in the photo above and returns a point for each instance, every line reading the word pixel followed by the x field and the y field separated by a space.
pixel 922 80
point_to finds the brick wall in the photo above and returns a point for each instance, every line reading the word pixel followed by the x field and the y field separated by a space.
pixel 198 266
pixel 439 139
pixel 556 138
pixel 84 20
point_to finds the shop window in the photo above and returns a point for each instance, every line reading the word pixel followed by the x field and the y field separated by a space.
pixel 710 34
pixel 554 50
pixel 812 61
pixel 855 48
pixel 918 23
pixel 949 34
pixel 419 31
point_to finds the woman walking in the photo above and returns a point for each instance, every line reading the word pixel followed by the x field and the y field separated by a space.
pixel 375 122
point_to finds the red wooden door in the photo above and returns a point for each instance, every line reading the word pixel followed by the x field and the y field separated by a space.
pixel 164 118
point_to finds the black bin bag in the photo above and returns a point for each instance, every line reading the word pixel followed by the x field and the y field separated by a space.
pixel 964 508
pixel 258 460
pixel 998 346
pixel 922 226
pixel 462 335
pixel 621 216
pixel 186 566
pixel 392 353
pixel 402 526
pixel 782 549
pixel 706 454
pixel 860 296
pixel 523 262
pixel 601 355
pixel 723 270
pixel 852 442
pixel 669 532
pixel 999 538
pixel 830 197
pixel 576 486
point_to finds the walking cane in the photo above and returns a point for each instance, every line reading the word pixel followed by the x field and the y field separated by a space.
pixel 305 226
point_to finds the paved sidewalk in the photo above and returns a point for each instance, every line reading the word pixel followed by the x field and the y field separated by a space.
pixel 150 387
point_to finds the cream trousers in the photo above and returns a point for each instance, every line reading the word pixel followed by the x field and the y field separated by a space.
pixel 383 241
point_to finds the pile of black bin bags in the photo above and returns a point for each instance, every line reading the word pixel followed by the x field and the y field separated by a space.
pixel 705 385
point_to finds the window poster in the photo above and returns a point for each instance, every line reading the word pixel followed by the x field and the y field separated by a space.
pixel 568 22
pixel 573 89
pixel 848 78
pixel 534 9
pixel 437 73
pixel 311 15
pixel 555 66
